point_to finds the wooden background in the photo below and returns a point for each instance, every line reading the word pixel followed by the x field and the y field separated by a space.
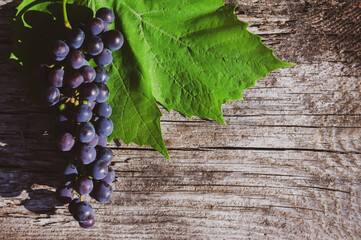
pixel 287 166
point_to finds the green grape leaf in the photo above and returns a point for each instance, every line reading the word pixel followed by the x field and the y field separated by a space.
pixel 190 56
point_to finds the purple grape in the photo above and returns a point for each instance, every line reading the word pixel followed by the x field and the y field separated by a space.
pixel 85 154
pixel 94 45
pixel 103 93
pixel 87 223
pixel 98 169
pixel 102 141
pixel 104 126
pixel 70 173
pixel 75 38
pixel 94 141
pixel 89 91
pixel 88 73
pixel 73 79
pixel 109 178
pixel 65 142
pixel 91 104
pixel 105 154
pixel 73 205
pixel 84 185
pixel 59 50
pixel 103 110
pixel 102 75
pixel 104 58
pixel 65 194
pixel 106 15
pixel 95 26
pixel 51 95
pixel 76 59
pixel 83 211
pixel 102 192
pixel 113 40
pixel 83 113
pixel 85 132
pixel 55 77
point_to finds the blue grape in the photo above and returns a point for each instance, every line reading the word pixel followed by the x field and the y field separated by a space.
pixel 83 211
pixel 89 91
pixel 103 93
pixel 95 26
pixel 84 185
pixel 109 178
pixel 65 142
pixel 87 223
pixel 51 95
pixel 65 194
pixel 102 141
pixel 70 173
pixel 102 75
pixel 85 132
pixel 59 50
pixel 83 113
pixel 102 192
pixel 88 73
pixel 94 45
pixel 103 110
pixel 85 154
pixel 73 79
pixel 75 38
pixel 104 126
pixel 104 58
pixel 94 141
pixel 55 77
pixel 105 154
pixel 76 59
pixel 113 40
pixel 91 104
pixel 99 170
pixel 106 15
pixel 73 205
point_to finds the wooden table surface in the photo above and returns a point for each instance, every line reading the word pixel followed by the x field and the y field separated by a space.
pixel 287 166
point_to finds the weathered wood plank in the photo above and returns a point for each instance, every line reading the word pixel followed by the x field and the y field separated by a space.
pixel 287 166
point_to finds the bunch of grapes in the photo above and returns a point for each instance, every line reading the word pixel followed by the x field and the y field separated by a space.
pixel 80 93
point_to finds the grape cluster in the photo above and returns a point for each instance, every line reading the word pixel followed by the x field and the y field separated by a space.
pixel 80 92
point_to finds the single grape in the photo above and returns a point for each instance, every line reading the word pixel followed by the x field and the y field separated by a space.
pixel 102 192
pixel 83 211
pixel 102 141
pixel 83 113
pixel 88 73
pixel 65 194
pixel 65 142
pixel 85 132
pixel 85 154
pixel 94 141
pixel 87 223
pixel 70 173
pixel 91 104
pixel 102 75
pixel 113 40
pixel 73 205
pixel 59 50
pixel 89 91
pixel 95 26
pixel 104 58
pixel 75 38
pixel 51 95
pixel 55 77
pixel 98 170
pixel 103 93
pixel 106 15
pixel 104 127
pixel 104 154
pixel 109 178
pixel 94 45
pixel 76 59
pixel 84 185
pixel 103 110
pixel 73 79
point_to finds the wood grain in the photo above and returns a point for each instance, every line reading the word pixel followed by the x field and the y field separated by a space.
pixel 287 166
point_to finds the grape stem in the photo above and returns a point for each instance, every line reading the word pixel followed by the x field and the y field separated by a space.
pixel 66 21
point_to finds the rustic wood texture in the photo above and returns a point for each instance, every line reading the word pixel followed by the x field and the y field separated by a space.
pixel 287 166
